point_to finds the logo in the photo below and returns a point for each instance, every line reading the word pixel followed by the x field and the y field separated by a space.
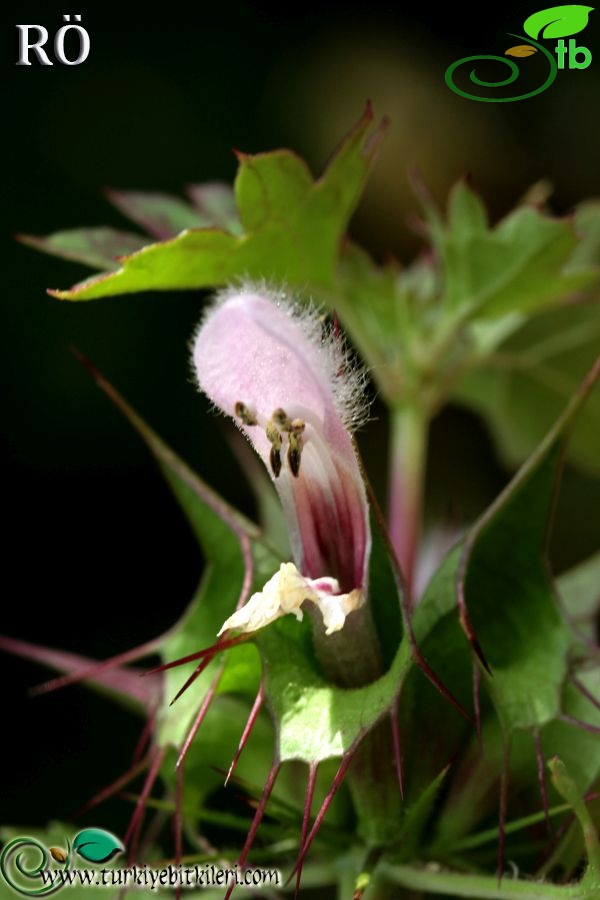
pixel 34 870
pixel 556 22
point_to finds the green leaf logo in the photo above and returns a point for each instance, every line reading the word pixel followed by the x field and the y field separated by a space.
pixel 558 21
pixel 96 845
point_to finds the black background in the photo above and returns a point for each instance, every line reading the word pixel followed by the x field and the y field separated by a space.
pixel 95 555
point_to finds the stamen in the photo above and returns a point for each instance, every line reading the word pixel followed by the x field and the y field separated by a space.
pixel 274 437
pixel 244 413
pixel 282 420
pixel 294 453
pixel 275 460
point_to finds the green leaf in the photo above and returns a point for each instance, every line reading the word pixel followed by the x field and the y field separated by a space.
pixel 96 845
pixel 467 215
pixel 520 387
pixel 161 215
pixel 219 529
pixel 472 799
pixel 579 589
pixel 268 184
pixel 434 880
pixel 373 309
pixel 580 751
pixel 578 748
pixel 587 225
pixel 293 227
pixel 424 329
pixel 504 580
pixel 518 266
pixel 317 720
pixel 558 21
pixel 415 819
pixel 216 201
pixel 94 247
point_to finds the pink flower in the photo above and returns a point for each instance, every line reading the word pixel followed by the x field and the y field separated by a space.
pixel 291 388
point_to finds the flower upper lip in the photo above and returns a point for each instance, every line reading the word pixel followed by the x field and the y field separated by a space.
pixel 292 390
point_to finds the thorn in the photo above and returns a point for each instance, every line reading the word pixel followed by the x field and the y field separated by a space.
pixel 96 668
pixel 144 738
pixel 87 364
pixel 195 674
pixel 113 788
pixel 578 723
pixel 339 777
pixel 138 813
pixel 310 790
pixel 435 681
pixel 541 770
pixel 585 691
pixel 397 747
pixel 258 815
pixel 213 649
pixel 247 730
pixel 467 627
pixel 208 698
pixel 502 810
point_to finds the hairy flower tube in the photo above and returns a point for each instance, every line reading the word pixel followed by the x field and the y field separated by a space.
pixel 289 384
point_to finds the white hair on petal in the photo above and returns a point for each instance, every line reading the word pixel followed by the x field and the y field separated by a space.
pixel 348 378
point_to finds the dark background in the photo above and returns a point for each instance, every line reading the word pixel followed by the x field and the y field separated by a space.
pixel 161 102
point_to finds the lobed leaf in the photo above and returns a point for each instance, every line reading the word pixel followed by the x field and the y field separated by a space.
pixel 216 201
pixel 505 585
pixel 520 387
pixel 521 265
pixel 579 589
pixel 99 248
pixel 160 215
pixel 292 223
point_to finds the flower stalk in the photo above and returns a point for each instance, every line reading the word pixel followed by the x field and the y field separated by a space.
pixel 407 463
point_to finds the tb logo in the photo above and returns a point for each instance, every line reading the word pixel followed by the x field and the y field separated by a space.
pixel 554 22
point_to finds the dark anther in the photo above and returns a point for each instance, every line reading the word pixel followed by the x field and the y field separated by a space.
pixel 275 460
pixel 245 414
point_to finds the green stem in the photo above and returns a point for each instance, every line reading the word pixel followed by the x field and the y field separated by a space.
pixel 567 788
pixel 352 658
pixel 408 453
pixel 481 887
